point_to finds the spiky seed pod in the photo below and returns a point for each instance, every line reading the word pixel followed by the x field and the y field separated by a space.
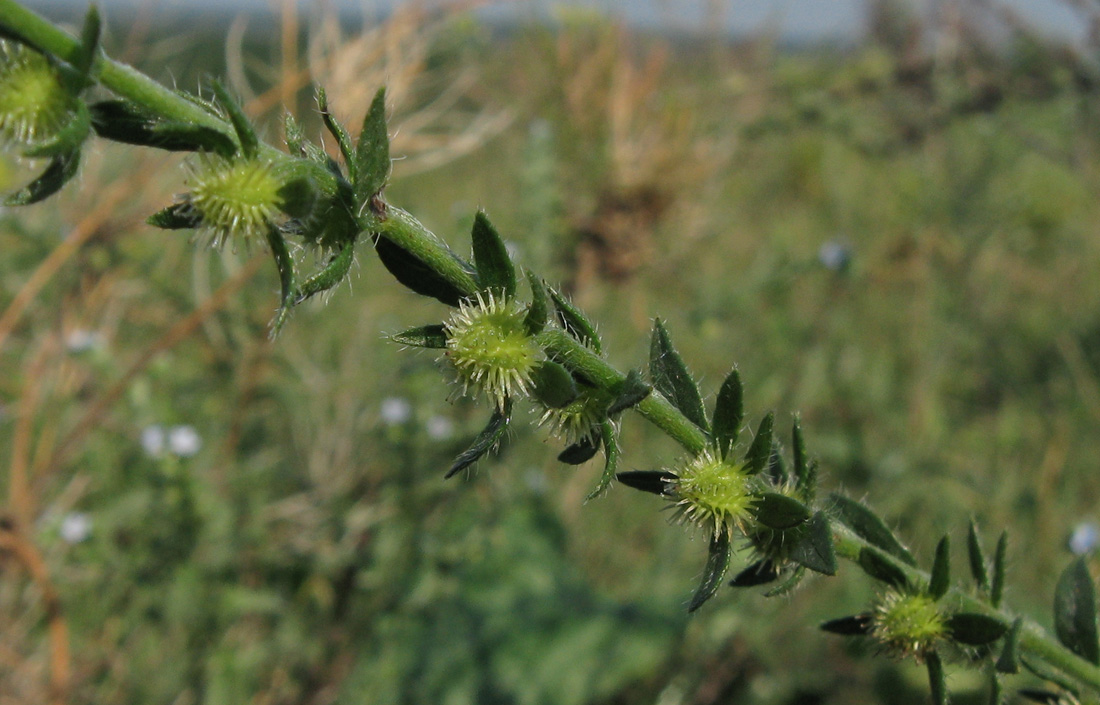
pixel 34 102
pixel 715 494
pixel 490 349
pixel 579 419
pixel 237 200
pixel 907 624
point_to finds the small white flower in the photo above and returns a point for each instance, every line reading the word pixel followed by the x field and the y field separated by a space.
pixel 439 428
pixel 396 411
pixel 153 440
pixel 1084 538
pixel 76 527
pixel 184 441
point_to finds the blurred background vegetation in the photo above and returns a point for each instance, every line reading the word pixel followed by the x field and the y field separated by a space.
pixel 895 238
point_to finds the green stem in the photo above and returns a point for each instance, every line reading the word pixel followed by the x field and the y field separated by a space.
pixel 1034 641
pixel 406 232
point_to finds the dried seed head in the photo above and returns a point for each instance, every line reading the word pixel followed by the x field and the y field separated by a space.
pixel 908 624
pixel 490 349
pixel 714 493
pixel 237 199
pixel 34 102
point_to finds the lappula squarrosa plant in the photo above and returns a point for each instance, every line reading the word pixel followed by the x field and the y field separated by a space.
pixel 510 344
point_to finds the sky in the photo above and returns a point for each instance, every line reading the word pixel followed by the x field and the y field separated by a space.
pixel 813 20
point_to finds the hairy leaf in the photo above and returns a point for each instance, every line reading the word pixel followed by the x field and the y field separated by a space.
pixel 611 452
pixel 855 625
pixel 415 274
pixel 868 526
pixel 878 565
pixel 495 271
pixel 631 391
pixel 997 586
pixel 553 385
pixel 1009 660
pixel 671 377
pixel 372 153
pixel 121 121
pixel 652 481
pixel 977 557
pixel 761 572
pixel 975 629
pixel 729 413
pixel 718 562
pixel 59 172
pixel 575 323
pixel 178 216
pixel 815 548
pixel 1075 612
pixel 580 452
pixel 778 511
pixel 246 134
pixel 941 570
pixel 937 681
pixel 538 313
pixel 485 441
pixel 432 336
pixel 760 452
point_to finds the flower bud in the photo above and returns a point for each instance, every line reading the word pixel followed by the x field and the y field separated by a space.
pixel 714 493
pixel 490 349
pixel 35 103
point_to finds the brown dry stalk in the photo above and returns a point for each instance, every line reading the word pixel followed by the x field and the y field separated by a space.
pixel 13 542
pixel 176 334
pixel 19 493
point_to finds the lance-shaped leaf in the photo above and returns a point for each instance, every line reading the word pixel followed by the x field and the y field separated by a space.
pixel 997 586
pixel 611 453
pixel 125 122
pixel 178 216
pixel 246 134
pixel 85 57
pixel 718 562
pixel 630 392
pixel 59 172
pixel 671 377
pixel 975 629
pixel 805 471
pixel 977 557
pixel 372 153
pixel 574 322
pixel 878 565
pixel 538 313
pixel 495 271
pixel 431 336
pixel 68 139
pixel 780 512
pixel 652 481
pixel 756 459
pixel 761 572
pixel 815 548
pixel 792 581
pixel 485 441
pixel 941 570
pixel 937 681
pixel 1009 660
pixel 868 526
pixel 580 452
pixel 1075 612
pixel 855 625
pixel 777 467
pixel 729 413
pixel 415 274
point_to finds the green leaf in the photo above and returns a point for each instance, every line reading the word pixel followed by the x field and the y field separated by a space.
pixel 977 557
pixel 432 336
pixel 996 696
pixel 729 413
pixel 416 275
pixel 815 548
pixel 580 452
pixel 372 154
pixel 553 385
pixel 485 441
pixel 718 562
pixel 937 681
pixel 1009 661
pixel 59 172
pixel 761 572
pixel 575 323
pixel 805 471
pixel 868 526
pixel 878 565
pixel 178 216
pixel 778 511
pixel 85 58
pixel 1046 697
pixel 855 625
pixel 69 138
pixel 760 452
pixel 630 392
pixel 538 313
pixel 495 271
pixel 941 570
pixel 127 123
pixel 789 584
pixel 975 629
pixel 246 134
pixel 1075 612
pixel 652 481
pixel 339 133
pixel 671 377
pixel 997 587
pixel 611 452
pixel 777 468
